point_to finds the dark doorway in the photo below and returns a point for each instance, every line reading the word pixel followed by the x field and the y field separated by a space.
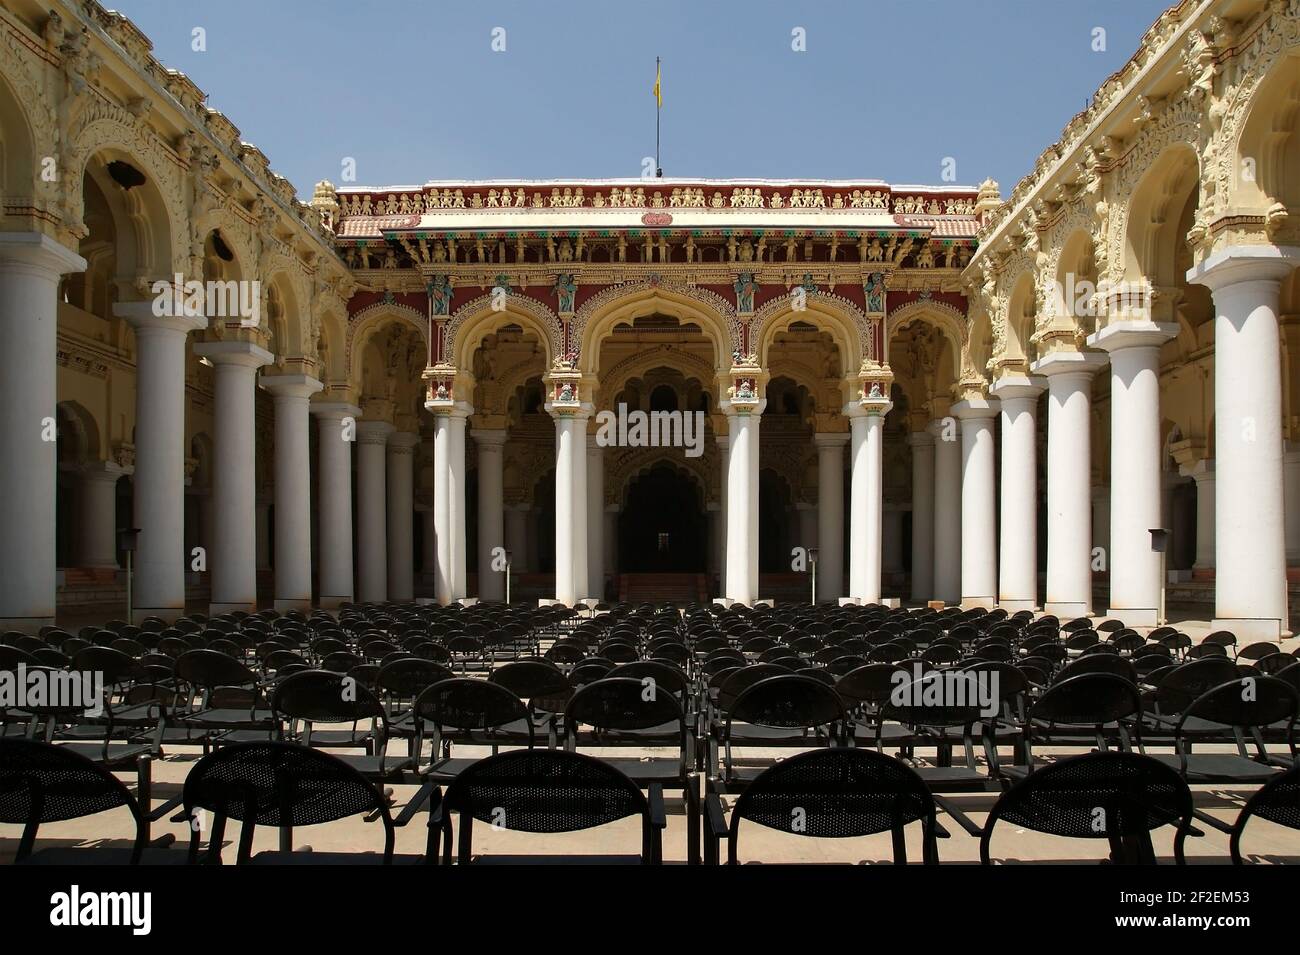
pixel 662 528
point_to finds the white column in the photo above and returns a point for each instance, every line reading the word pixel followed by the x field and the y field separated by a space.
pixel 742 505
pixel 979 554
pixel 336 433
pixel 570 504
pixel 892 546
pixel 428 541
pixel 724 481
pixel 923 538
pixel 1291 500
pixel 490 444
pixel 947 511
pixel 372 535
pixel 31 266
pixel 401 515
pixel 1069 476
pixel 292 395
pixel 865 499
pixel 830 515
pixel 517 537
pixel 1202 472
pixel 443 582
pixel 160 561
pixel 1018 542
pixel 459 521
pixel 595 519
pixel 232 565
pixel 1134 348
pixel 97 514
pixel 1250 560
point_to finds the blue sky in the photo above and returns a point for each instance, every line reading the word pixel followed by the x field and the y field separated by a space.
pixel 885 89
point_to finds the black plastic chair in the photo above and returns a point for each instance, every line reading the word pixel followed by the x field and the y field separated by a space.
pixel 43 782
pixel 1116 796
pixel 830 793
pixel 548 791
pixel 319 696
pixel 283 785
pixel 1278 801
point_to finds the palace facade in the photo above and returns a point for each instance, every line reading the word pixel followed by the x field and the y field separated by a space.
pixel 937 392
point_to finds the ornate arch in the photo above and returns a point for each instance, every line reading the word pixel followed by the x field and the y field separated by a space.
pixel 713 313
pixel 853 332
pixel 670 356
pixel 628 464
pixel 367 321
pixel 105 127
pixel 949 320
pixel 478 317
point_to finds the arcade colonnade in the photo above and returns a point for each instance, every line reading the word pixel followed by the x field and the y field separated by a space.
pixel 968 548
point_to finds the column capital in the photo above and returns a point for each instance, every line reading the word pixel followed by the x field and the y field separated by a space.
pixel 1244 263
pixel 244 354
pixel 561 411
pixel 742 407
pixel 830 439
pixel 334 409
pixel 489 439
pixel 374 432
pixel 867 408
pixel 142 315
pixel 1199 471
pixel 1069 362
pixel 290 386
pixel 973 409
pixel 35 250
pixel 1013 386
pixel 449 409
pixel 1142 333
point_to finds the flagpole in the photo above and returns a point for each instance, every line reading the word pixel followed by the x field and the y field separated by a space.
pixel 659 170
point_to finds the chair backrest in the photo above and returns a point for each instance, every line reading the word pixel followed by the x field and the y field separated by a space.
pixel 1278 801
pixel 276 784
pixel 623 703
pixel 541 790
pixel 1186 682
pixel 838 793
pixel 787 700
pixel 208 669
pixel 407 677
pixel 743 678
pixel 528 679
pixel 1110 795
pixel 321 696
pixel 1090 699
pixel 665 676
pixel 466 704
pixel 42 782
pixel 1245 702
pixel 1111 663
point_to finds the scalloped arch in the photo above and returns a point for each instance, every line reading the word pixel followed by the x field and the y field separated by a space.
pixel 468 324
pixel 850 327
pixel 714 314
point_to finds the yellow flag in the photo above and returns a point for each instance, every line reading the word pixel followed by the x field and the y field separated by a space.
pixel 659 100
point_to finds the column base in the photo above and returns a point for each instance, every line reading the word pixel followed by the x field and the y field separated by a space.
pixel 282 605
pixel 333 601
pixel 1250 629
pixel 1135 616
pixel 166 614
pixel 1068 609
pixel 30 625
pixel 215 608
pixel 1014 605
pixel 982 603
